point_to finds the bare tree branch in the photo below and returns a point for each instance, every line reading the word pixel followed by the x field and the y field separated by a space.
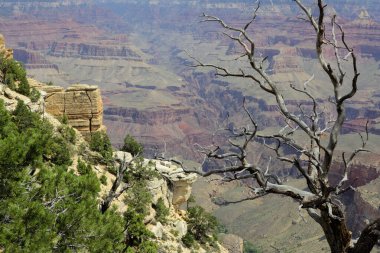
pixel 313 156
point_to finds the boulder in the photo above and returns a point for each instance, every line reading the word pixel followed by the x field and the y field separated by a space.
pixel 150 217
pixel 157 230
pixel 121 156
pixel 181 228
pixel 159 189
pixel 179 182
pixel 81 103
pixel 8 93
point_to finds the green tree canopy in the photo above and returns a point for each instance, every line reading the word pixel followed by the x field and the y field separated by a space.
pixel 132 146
pixel 44 207
pixel 14 75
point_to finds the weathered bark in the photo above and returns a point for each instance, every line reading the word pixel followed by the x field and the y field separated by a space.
pixel 369 237
pixel 337 234
pixel 106 203
pixel 115 192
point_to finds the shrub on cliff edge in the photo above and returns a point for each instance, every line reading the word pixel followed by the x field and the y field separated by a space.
pixel 100 142
pixel 14 76
pixel 132 146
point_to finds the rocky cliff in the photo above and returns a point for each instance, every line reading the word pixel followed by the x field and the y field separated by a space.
pixel 80 103
pixel 7 52
pixel 172 185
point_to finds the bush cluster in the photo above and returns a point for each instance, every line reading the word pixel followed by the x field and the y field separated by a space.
pixel 100 142
pixel 162 212
pixel 132 146
pixel 250 248
pixel 44 207
pixel 47 207
pixel 202 227
pixel 13 75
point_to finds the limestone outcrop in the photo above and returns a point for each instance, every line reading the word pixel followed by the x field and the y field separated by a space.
pixel 175 187
pixel 81 103
pixel 8 53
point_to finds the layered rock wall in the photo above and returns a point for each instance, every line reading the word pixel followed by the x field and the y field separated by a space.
pixel 82 104
pixel 108 49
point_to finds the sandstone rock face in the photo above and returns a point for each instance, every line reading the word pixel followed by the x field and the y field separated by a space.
pixel 8 53
pixel 179 183
pixel 81 103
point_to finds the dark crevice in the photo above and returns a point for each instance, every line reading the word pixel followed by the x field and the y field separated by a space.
pixel 92 114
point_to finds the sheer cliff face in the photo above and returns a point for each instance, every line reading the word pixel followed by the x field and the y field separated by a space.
pixel 82 104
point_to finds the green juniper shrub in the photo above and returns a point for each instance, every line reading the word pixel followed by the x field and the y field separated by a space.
pixel 202 227
pixel 137 235
pixel 34 95
pixel 103 180
pixel 68 133
pixel 141 171
pixel 52 209
pixel 24 117
pixel 250 248
pixel 148 247
pixel 162 211
pixel 64 119
pixel 6 124
pixel 83 168
pixel 60 152
pixel 188 240
pixel 14 76
pixel 23 87
pixel 101 143
pixel 132 146
pixel 139 198
pixel 33 133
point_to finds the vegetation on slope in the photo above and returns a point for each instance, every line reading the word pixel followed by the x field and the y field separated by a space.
pixel 13 75
pixel 48 206
pixel 202 228
pixel 48 203
pixel 44 206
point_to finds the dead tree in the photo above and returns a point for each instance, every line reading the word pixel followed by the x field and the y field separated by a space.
pixel 321 198
pixel 119 186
